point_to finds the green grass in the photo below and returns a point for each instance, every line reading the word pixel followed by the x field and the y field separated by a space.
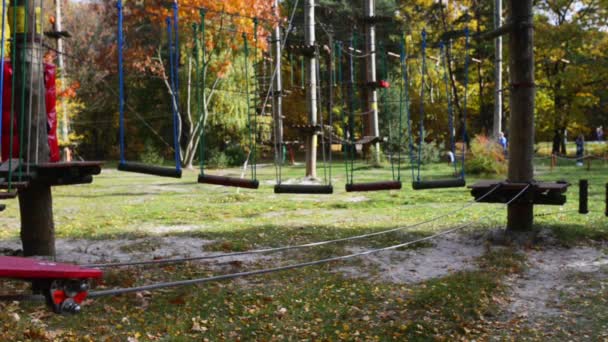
pixel 319 304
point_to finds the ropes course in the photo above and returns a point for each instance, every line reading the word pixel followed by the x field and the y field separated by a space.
pixel 173 53
pixel 416 152
pixel 163 285
pixel 65 286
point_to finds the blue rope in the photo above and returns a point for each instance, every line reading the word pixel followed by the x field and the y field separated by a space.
pixel 422 78
pixel 121 84
pixel 173 95
pixel 444 59
pixel 2 66
pixel 464 113
pixel 176 47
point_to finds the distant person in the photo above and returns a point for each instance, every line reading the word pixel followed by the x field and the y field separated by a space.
pixel 451 158
pixel 580 149
pixel 556 143
pixel 502 141
pixel 599 133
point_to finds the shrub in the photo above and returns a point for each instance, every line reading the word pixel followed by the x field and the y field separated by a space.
pixel 487 157
pixel 235 155
pixel 216 159
pixel 151 154
pixel 371 158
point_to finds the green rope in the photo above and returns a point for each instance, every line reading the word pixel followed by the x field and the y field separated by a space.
pixel 249 128
pixel 345 145
pixel 23 81
pixel 13 81
pixel 384 76
pixel 255 101
pixel 302 72
pixel 202 72
pixel 291 69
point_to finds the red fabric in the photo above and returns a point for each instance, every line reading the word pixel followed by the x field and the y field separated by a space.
pixel 383 84
pixel 6 115
pixel 50 72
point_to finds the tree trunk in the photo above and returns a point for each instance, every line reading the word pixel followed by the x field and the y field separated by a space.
pixel 521 125
pixel 35 202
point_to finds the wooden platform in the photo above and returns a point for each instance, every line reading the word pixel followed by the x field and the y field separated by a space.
pixel 29 269
pixel 542 193
pixel 70 173
pixel 53 174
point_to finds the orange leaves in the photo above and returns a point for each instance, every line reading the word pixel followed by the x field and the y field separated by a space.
pixel 70 90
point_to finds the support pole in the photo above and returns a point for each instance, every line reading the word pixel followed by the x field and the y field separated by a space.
pixel 35 201
pixel 606 211
pixel 67 155
pixel 521 125
pixel 583 196
pixel 372 126
pixel 498 98
pixel 278 87
pixel 311 89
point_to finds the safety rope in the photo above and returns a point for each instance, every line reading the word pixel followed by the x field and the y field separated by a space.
pixel 292 247
pixel 121 83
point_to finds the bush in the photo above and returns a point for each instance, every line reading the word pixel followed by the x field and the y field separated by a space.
pixel 430 153
pixel 487 157
pixel 370 158
pixel 216 159
pixel 235 155
pixel 151 154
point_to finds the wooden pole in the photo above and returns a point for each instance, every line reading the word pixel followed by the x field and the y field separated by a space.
pixel 372 127
pixel 497 122
pixel 35 201
pixel 311 89
pixel 278 87
pixel 67 156
pixel 521 125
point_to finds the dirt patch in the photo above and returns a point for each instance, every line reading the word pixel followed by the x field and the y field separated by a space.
pixel 356 199
pixel 450 254
pixel 83 251
pixel 536 292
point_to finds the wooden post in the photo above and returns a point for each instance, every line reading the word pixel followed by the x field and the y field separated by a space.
pixel 278 87
pixel 371 126
pixel 521 125
pixel 67 154
pixel 35 201
pixel 497 123
pixel 311 89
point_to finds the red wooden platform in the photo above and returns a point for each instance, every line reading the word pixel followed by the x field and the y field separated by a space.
pixel 32 269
